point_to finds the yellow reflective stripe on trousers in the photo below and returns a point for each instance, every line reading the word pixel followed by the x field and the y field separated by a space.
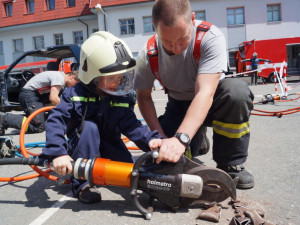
pixel 23 121
pixel 83 99
pixel 231 130
pixel 115 104
pixel 188 152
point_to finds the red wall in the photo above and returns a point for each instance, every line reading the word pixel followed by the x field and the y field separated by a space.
pixel 106 3
pixel 61 11
pixel 41 13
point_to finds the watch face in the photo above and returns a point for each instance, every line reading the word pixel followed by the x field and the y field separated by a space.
pixel 184 138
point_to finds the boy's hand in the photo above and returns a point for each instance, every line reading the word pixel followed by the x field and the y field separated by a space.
pixel 155 143
pixel 63 163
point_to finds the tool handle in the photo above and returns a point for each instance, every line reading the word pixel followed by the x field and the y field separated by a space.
pixel 48 164
pixel 134 183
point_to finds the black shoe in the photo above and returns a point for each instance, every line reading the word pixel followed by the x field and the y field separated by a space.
pixel 246 179
pixel 89 195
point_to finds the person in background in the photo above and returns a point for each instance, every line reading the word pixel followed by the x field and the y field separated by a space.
pixel 41 90
pixel 254 65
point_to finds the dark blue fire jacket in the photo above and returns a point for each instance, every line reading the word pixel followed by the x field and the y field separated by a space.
pixel 114 116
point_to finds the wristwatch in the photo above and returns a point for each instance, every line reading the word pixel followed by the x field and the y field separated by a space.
pixel 183 138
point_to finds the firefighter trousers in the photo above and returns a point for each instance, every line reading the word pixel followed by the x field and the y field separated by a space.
pixel 89 144
pixel 228 116
pixel 254 78
pixel 30 102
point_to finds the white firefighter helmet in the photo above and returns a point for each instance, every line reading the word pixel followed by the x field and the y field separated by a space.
pixel 254 54
pixel 105 57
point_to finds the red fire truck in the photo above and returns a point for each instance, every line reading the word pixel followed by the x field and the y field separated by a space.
pixel 277 50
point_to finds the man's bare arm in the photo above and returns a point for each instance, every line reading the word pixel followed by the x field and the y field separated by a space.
pixel 205 87
pixel 54 92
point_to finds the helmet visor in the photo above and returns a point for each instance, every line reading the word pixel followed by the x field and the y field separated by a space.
pixel 117 84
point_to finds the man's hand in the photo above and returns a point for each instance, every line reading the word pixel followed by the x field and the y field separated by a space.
pixel 155 143
pixel 62 165
pixel 170 150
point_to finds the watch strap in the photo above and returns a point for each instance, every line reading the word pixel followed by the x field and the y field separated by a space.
pixel 178 136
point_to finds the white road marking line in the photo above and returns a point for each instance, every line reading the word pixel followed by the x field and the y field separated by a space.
pixel 49 212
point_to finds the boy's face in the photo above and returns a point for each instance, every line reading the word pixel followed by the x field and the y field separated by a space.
pixel 111 82
pixel 117 84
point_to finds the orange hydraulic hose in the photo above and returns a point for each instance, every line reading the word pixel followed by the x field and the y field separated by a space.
pixel 125 140
pixel 278 113
pixel 289 100
pixel 25 154
pixel 287 110
pixel 27 177
pixel 22 144
pixel 133 148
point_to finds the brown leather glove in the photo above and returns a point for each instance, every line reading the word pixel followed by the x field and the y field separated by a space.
pixel 256 218
pixel 211 214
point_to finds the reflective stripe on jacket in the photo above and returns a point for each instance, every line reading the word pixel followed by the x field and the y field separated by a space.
pixel 114 116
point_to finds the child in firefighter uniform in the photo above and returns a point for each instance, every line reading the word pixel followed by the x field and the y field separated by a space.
pixel 94 113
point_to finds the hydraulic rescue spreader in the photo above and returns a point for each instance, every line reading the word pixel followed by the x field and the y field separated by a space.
pixel 174 184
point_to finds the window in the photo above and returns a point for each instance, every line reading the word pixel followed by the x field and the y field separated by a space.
pixel 78 37
pixel 58 39
pixel 2 63
pixel 38 42
pixel 1 47
pixel 235 16
pixel 232 58
pixel 8 9
pixel 127 26
pixel 273 13
pixel 18 45
pixel 71 3
pixel 200 15
pixel 30 6
pixel 18 49
pixel 50 4
pixel 148 26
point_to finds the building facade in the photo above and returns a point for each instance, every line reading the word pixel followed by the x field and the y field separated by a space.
pixel 32 24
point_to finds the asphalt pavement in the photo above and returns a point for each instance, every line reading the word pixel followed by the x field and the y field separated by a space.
pixel 273 160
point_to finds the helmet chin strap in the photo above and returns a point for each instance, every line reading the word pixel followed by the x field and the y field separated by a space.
pixel 92 88
pixel 100 92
